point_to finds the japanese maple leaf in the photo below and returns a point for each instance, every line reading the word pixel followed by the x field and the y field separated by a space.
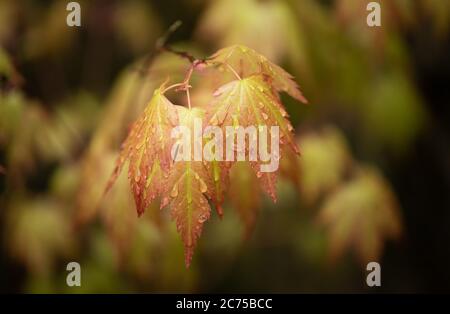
pixel 247 62
pixel 218 171
pixel 251 101
pixel 147 148
pixel 188 185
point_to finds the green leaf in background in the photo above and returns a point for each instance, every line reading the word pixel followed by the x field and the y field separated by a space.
pixel 360 215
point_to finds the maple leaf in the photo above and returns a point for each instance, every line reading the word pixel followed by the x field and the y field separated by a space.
pixel 252 102
pixel 187 186
pixel 218 171
pixel 147 147
pixel 247 62
pixel 360 215
pixel 126 101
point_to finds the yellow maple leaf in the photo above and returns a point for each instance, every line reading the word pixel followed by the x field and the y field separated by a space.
pixel 147 147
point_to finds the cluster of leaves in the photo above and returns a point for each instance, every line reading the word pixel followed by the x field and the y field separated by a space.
pixel 250 99
pixel 342 63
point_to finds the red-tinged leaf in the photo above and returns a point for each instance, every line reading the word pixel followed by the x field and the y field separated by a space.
pixel 252 102
pixel 247 62
pixel 188 184
pixel 218 171
pixel 147 148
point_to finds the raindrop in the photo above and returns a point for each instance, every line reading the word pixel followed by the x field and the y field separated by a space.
pixel 203 187
pixel 139 145
pixel 202 218
pixel 174 191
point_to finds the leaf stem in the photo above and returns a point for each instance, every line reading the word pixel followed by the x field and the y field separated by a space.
pixel 185 84
pixel 188 98
pixel 233 70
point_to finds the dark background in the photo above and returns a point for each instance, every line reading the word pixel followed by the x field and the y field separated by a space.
pixel 271 260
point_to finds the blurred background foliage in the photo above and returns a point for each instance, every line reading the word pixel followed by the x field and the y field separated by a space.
pixel 375 162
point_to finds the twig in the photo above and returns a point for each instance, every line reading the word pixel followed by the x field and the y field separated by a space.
pixel 182 54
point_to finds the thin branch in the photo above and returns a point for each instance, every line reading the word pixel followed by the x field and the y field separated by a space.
pixel 161 42
pixel 182 54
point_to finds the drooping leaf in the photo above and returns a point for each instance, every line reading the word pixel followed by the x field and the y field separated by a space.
pixel 251 102
pixel 218 171
pixel 126 101
pixel 187 186
pixel 147 147
pixel 247 62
